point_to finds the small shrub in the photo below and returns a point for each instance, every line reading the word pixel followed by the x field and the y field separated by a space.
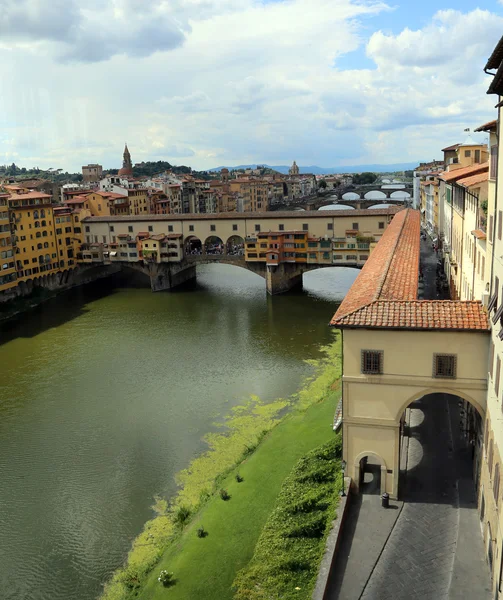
pixel 201 532
pixel 224 494
pixel 239 479
pixel 166 578
pixel 130 578
pixel 182 515
pixel 249 449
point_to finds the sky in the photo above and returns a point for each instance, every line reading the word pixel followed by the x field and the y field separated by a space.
pixel 226 82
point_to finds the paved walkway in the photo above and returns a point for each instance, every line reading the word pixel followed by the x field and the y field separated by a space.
pixel 432 547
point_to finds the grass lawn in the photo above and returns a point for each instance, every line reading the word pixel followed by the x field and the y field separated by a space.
pixel 204 568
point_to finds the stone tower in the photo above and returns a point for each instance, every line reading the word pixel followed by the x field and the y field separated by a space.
pixel 127 165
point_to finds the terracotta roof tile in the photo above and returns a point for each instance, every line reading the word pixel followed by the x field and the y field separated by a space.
pixel 474 179
pixel 449 148
pixel 418 314
pixel 464 172
pixel 384 295
pixel 488 126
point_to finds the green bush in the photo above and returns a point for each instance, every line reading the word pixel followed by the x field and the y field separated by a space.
pixel 290 548
pixel 182 515
pixel 224 494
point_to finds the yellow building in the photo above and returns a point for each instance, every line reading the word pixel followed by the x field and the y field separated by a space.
pixel 8 274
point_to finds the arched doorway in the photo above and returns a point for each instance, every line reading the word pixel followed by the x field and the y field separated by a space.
pixel 192 245
pixel 214 245
pixel 370 473
pixel 235 246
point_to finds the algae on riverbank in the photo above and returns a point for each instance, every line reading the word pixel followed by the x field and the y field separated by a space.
pixel 245 428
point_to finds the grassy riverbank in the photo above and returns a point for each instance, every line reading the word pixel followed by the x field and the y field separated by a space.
pixel 206 567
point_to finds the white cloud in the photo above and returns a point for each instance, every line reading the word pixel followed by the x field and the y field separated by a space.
pixel 235 81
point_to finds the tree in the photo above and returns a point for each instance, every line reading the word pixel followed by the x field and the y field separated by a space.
pixel 322 184
pixel 364 178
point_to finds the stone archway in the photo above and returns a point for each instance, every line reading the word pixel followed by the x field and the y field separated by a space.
pixel 214 245
pixel 235 246
pixel 359 465
pixel 192 245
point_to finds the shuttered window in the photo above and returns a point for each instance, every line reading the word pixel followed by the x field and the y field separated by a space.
pixel 444 366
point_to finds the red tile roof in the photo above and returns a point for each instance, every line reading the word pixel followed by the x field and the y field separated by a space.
pixel 479 234
pixel 488 126
pixel 384 295
pixel 464 172
pixel 474 179
pixel 372 280
pixel 419 314
pixel 449 148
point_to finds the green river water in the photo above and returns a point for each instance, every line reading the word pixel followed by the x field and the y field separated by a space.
pixel 105 394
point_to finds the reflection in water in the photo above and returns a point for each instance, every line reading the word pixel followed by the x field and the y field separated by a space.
pixel 106 394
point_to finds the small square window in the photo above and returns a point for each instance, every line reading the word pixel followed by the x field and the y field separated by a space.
pixel 305 227
pixel 170 227
pixel 330 226
pixel 130 228
pixel 282 227
pixel 355 226
pixel 213 228
pixel 381 224
pixel 257 227
pixel 444 365
pixel 372 362
pixel 151 228
pixel 191 227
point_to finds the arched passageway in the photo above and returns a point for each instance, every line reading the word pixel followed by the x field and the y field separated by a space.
pixel 351 196
pixel 235 246
pixel 214 245
pixel 192 245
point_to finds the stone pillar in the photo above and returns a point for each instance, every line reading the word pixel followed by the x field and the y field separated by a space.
pixel 166 276
pixel 283 278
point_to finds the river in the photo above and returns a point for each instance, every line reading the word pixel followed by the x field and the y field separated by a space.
pixel 105 394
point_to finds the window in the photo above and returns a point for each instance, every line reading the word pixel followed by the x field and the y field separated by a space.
pixel 497 378
pixel 355 226
pixel 468 153
pixel 68 230
pixel 151 228
pixel 381 224
pixel 330 226
pixel 496 483
pixel 38 234
pixel 305 226
pixel 130 228
pixel 87 229
pixel 477 156
pixel 191 227
pixel 444 365
pixel 281 227
pixel 372 362
pixel 104 239
pixel 257 227
pixel 213 228
pixel 234 227
pixel 494 162
pixel 170 227
pixel 490 457
pixel 491 359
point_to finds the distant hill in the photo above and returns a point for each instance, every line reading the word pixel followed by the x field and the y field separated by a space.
pixel 327 170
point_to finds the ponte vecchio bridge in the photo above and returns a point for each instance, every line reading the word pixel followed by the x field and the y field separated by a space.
pixel 278 246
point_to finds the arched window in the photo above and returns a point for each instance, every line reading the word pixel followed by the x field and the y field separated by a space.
pixel 37 224
pixel 47 258
pixel 43 223
pixel 496 483
pixel 39 246
pixel 46 244
pixel 38 234
pixel 35 214
pixel 42 213
pixel 44 233
pixel 490 458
